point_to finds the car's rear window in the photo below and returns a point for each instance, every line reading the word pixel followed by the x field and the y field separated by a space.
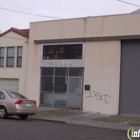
pixel 15 95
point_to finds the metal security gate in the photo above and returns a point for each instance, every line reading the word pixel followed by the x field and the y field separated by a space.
pixel 130 78
pixel 61 87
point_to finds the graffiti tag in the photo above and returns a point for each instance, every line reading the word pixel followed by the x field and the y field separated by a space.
pixel 99 96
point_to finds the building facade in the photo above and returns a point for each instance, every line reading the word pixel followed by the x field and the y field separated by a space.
pixel 13 60
pixel 88 63
pixel 76 63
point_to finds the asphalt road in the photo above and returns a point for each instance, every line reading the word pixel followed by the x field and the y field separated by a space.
pixel 16 129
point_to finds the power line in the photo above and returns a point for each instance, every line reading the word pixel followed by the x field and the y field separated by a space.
pixel 27 13
pixel 129 3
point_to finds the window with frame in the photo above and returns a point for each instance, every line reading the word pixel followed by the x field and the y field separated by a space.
pixel 10 56
pixel 56 79
pixel 19 56
pixel 69 51
pixel 1 57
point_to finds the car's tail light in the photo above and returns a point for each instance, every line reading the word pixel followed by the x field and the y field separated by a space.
pixel 19 102
pixel 34 103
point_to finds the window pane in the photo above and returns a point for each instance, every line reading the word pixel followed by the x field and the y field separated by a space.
pixel 61 89
pixel 60 84
pixel 61 71
pixel 1 52
pixel 47 84
pixel 11 52
pixel 1 62
pixel 74 85
pixel 10 62
pixel 47 71
pixel 75 72
pixel 19 61
pixel 15 95
pixel 19 51
pixel 69 51
pixel 2 95
pixel 60 81
pixel 46 87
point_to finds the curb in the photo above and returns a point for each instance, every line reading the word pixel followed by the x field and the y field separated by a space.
pixel 94 124
pixel 101 125
pixel 48 120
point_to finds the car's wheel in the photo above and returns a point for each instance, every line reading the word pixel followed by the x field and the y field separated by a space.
pixel 23 117
pixel 3 112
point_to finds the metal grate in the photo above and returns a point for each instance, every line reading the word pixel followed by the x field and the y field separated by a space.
pixel 47 71
pixel 69 51
pixel 63 87
pixel 47 84
pixel 75 72
pixel 60 84
pixel 61 72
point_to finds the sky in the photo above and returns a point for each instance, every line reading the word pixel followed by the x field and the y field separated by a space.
pixel 61 9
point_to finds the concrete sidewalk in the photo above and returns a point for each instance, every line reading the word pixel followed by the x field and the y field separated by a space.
pixel 72 116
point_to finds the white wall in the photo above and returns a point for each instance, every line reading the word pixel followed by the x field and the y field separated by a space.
pixel 33 72
pixel 117 25
pixel 102 73
pixel 102 59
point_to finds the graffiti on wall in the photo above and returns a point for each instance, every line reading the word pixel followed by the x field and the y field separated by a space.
pixel 98 96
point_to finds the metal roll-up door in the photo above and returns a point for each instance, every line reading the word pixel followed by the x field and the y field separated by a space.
pixel 130 78
pixel 9 84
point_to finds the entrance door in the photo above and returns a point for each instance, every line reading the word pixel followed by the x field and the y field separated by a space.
pixel 61 87
pixel 75 92
pixel 46 95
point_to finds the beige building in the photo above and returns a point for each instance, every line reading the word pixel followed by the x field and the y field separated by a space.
pixel 13 59
pixel 88 63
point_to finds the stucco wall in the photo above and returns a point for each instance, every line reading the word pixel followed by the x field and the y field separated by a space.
pixel 12 39
pixel 33 68
pixel 118 25
pixel 102 73
pixel 102 59
pixel 33 72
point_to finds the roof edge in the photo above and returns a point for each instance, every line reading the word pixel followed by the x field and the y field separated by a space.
pixel 22 32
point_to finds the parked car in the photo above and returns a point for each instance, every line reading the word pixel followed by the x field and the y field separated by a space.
pixel 13 103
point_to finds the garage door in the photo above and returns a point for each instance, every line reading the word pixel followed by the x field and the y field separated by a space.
pixel 9 84
pixel 130 78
